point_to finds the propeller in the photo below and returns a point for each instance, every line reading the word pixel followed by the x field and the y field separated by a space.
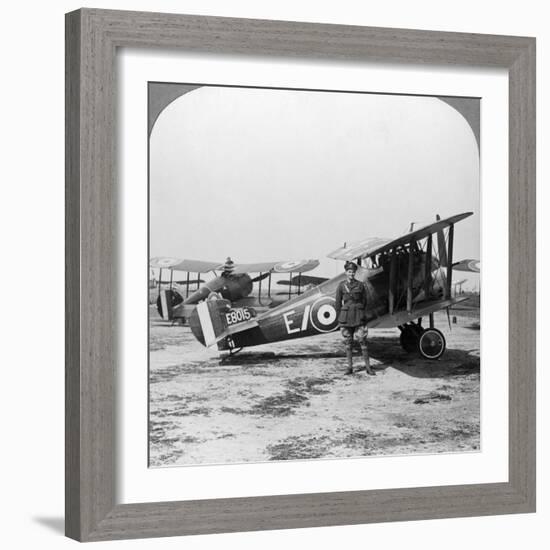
pixel 261 277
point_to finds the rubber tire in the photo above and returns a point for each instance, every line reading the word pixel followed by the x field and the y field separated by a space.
pixel 432 344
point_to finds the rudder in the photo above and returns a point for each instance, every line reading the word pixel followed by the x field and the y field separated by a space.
pixel 208 321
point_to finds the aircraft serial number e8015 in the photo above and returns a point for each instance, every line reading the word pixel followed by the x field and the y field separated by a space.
pixel 238 315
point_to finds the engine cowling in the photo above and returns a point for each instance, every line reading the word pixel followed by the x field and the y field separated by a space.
pixel 231 287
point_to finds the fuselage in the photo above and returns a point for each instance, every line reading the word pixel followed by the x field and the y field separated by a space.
pixel 314 311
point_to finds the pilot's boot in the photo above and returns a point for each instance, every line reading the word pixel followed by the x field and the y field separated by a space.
pixel 368 368
pixel 349 355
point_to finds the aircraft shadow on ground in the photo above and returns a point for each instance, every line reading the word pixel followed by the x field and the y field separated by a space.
pixel 260 357
pixel 385 352
pixel 454 362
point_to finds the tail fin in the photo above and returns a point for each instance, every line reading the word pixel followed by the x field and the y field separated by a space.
pixel 215 322
pixel 208 321
pixel 167 301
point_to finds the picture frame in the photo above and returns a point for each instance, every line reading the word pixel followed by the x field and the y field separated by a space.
pixel 92 39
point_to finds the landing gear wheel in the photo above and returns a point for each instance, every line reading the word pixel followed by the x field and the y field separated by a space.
pixel 432 344
pixel 409 337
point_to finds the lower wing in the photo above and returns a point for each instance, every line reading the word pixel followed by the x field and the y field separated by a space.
pixel 421 309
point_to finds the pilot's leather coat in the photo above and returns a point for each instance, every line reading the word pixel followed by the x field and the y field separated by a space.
pixel 351 303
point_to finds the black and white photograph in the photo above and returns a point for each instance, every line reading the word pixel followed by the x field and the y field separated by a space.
pixel 314 274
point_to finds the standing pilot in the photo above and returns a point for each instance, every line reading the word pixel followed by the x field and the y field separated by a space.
pixel 351 303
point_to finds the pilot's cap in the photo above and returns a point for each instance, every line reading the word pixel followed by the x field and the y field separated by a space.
pixel 350 265
pixel 229 265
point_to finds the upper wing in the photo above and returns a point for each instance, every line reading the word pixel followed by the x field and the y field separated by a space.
pixel 199 266
pixel 289 266
pixel 374 245
pixel 359 249
pixel 467 265
pixel 192 266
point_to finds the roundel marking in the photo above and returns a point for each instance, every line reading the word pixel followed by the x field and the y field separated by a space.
pixel 474 265
pixel 289 265
pixel 326 314
pixel 165 262
pixel 323 314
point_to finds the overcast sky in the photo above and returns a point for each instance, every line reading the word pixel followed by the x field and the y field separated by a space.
pixel 275 174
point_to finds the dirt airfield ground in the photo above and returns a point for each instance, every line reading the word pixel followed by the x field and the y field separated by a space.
pixel 291 400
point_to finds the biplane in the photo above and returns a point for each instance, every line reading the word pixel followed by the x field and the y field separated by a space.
pixel 177 300
pixel 407 279
pixel 458 286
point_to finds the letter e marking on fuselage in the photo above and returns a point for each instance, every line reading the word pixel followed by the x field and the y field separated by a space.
pixel 305 318
pixel 289 322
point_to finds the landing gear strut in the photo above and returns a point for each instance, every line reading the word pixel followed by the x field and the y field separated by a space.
pixel 410 336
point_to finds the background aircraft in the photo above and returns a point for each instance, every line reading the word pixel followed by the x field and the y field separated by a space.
pixel 458 286
pixel 406 279
pixel 233 283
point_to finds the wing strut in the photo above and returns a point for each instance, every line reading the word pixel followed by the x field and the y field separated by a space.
pixel 410 279
pixel 428 267
pixel 290 286
pixel 450 260
pixel 442 253
pixel 391 293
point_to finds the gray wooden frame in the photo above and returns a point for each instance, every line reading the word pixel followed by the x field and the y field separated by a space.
pixel 92 38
